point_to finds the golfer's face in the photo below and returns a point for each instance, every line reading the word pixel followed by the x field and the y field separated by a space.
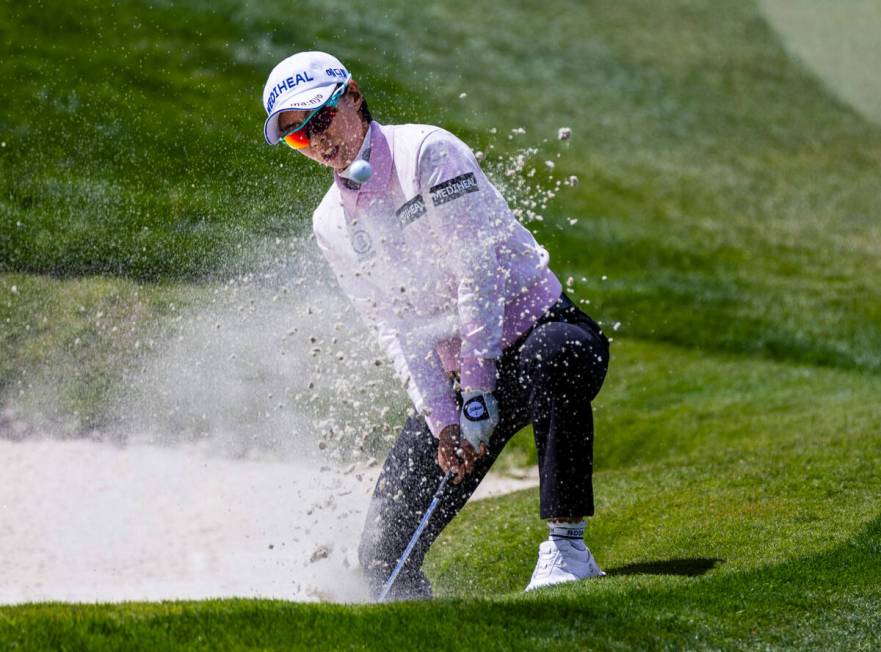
pixel 337 145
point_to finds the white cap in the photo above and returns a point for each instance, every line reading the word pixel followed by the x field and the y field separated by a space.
pixel 303 81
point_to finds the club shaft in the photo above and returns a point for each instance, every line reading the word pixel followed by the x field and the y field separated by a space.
pixel 422 523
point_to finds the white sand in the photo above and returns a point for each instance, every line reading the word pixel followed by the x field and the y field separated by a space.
pixel 86 521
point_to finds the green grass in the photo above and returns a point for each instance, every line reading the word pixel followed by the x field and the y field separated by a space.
pixel 695 471
pixel 727 224
pixel 726 195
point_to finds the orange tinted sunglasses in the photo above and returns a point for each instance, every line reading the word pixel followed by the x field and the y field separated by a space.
pixel 297 136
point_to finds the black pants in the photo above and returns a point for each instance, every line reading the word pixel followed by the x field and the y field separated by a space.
pixel 547 378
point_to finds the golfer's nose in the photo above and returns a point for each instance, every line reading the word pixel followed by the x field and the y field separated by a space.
pixel 318 140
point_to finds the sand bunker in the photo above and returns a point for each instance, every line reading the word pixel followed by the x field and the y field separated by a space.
pixel 87 521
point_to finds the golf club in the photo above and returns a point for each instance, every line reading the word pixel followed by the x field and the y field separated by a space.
pixel 422 523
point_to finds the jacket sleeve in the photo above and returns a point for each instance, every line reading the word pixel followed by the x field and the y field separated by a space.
pixel 415 362
pixel 468 209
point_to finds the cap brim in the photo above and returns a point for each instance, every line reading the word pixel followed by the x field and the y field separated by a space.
pixel 305 101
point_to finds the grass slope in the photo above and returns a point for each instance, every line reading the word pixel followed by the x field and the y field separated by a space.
pixel 727 218
pixel 729 199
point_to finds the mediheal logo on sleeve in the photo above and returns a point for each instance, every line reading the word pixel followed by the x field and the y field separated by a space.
pixel 453 189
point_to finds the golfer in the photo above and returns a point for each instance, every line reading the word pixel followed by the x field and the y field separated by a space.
pixel 463 301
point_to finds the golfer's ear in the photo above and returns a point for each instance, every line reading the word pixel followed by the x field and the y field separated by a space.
pixel 354 91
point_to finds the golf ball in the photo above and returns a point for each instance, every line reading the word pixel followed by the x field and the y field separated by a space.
pixel 360 171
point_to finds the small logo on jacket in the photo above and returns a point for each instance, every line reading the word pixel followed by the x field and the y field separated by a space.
pixel 411 211
pixel 361 242
pixel 453 188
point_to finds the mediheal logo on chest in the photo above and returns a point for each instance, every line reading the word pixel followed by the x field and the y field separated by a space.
pixel 411 211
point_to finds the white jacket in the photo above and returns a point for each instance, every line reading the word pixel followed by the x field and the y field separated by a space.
pixel 433 260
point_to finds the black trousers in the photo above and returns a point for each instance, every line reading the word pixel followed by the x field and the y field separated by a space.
pixel 548 378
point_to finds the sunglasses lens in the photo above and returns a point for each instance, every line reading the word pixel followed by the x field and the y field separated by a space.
pixel 297 140
pixel 315 123
pixel 321 120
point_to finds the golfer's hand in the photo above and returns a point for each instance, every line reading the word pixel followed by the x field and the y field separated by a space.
pixel 455 454
pixel 478 417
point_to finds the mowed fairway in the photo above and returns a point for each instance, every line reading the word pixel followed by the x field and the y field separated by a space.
pixel 725 227
pixel 839 41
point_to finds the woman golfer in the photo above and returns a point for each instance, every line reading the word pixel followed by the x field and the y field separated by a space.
pixel 462 299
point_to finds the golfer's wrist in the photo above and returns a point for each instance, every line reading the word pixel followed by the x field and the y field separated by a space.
pixel 478 373
pixel 450 433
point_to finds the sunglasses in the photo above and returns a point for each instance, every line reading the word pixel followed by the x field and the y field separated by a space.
pixel 297 135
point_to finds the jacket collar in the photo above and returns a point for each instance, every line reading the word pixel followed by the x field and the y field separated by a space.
pixel 378 154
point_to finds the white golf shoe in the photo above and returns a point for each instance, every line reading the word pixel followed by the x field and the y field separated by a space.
pixel 563 560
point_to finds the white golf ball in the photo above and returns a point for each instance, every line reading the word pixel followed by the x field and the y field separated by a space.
pixel 360 171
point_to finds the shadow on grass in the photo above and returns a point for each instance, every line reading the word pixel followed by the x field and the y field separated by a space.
pixel 688 567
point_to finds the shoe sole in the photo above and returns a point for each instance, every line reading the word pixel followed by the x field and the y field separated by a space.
pixel 566 581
